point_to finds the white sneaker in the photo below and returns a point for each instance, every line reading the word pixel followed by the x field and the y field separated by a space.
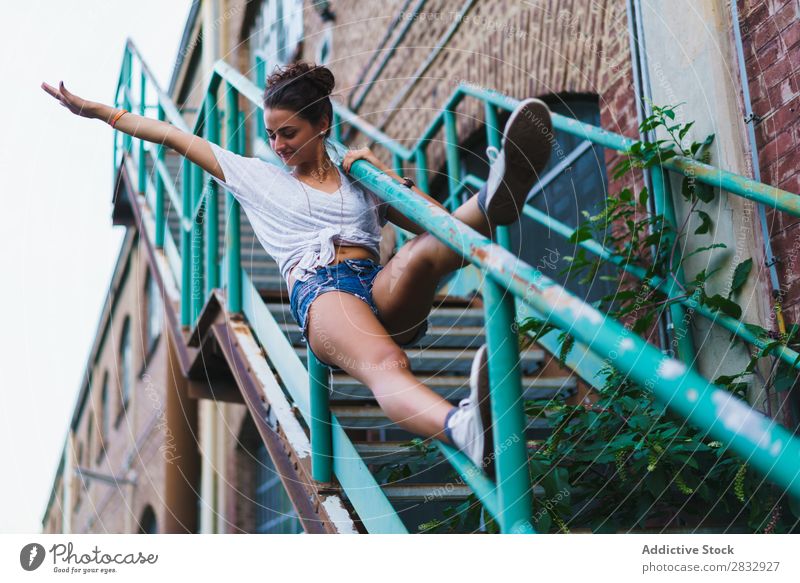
pixel 470 424
pixel 526 145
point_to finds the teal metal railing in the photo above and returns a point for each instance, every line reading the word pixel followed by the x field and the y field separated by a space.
pixel 769 448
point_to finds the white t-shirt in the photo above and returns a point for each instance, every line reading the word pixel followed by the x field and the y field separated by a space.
pixel 276 205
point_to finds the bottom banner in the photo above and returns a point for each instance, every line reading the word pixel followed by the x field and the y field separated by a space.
pixel 389 558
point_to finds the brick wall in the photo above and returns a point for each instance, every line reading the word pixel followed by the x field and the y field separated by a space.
pixel 517 48
pixel 102 507
pixel 771 39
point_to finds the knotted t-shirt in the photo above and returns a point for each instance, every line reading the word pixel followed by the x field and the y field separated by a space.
pixel 275 203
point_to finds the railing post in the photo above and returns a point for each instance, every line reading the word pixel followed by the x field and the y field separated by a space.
pixel 159 210
pixel 402 235
pixel 212 200
pixel 681 336
pixel 232 224
pixel 505 381
pixel 127 66
pixel 197 218
pixel 142 166
pixel 421 157
pixel 321 431
pixel 453 166
pixel 336 130
pixel 508 416
pixel 186 244
pixel 261 80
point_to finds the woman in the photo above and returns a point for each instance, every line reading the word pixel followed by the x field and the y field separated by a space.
pixel 355 313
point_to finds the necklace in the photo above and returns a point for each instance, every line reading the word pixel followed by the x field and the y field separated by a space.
pixel 341 199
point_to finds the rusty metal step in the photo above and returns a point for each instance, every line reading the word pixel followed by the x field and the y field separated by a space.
pixel 439 316
pixel 403 452
pixel 456 387
pixel 455 361
pixel 373 417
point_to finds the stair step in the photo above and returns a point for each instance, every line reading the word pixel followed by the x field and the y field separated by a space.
pixel 346 388
pixel 454 361
pixel 436 337
pixel 440 492
pixel 390 452
pixel 439 316
pixel 401 452
pixel 264 281
pixel 265 262
pixel 373 417
pixel 255 269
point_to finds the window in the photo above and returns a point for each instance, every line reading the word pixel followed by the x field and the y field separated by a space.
pixel 126 363
pixel 148 523
pixel 325 46
pixel 89 438
pixel 154 311
pixel 581 186
pixel 274 40
pixel 105 418
pixel 278 30
pixel 274 511
pixel 77 480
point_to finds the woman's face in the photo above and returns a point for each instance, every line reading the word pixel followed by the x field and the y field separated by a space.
pixel 294 139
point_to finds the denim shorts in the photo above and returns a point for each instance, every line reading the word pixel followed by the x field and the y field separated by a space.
pixel 353 276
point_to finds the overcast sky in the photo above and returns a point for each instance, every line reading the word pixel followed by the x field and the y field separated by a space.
pixel 57 245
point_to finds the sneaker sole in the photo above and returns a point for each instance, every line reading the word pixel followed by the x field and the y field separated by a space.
pixel 526 147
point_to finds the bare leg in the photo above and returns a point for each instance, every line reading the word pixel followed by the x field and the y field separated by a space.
pixel 343 331
pixel 404 289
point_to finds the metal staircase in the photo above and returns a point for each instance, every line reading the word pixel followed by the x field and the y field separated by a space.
pixel 415 478
pixel 344 465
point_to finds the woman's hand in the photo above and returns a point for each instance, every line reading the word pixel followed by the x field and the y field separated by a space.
pixel 186 144
pixel 362 154
pixel 75 104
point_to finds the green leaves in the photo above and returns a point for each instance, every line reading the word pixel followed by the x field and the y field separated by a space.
pixel 567 342
pixel 682 133
pixel 643 195
pixel 624 445
pixel 740 275
pixel 705 224
pixel 722 304
pixel 582 233
pixel 700 151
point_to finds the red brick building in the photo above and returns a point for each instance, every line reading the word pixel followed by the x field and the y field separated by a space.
pixel 150 451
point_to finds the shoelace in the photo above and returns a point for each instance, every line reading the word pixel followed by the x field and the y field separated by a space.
pixel 464 403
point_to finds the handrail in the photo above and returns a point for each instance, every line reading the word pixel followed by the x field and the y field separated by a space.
pixel 740 185
pixel 737 184
pixel 364 493
pixel 769 448
pixel 733 325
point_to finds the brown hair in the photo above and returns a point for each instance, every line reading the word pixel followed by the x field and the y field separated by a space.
pixel 304 88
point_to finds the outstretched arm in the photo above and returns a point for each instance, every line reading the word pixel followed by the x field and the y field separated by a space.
pixel 190 146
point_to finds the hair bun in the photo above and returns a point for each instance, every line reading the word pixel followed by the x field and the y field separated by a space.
pixel 318 75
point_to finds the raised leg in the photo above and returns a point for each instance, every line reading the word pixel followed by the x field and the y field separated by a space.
pixel 405 288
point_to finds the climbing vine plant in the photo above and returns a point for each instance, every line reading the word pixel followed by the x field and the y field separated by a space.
pixel 623 462
pixel 626 462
